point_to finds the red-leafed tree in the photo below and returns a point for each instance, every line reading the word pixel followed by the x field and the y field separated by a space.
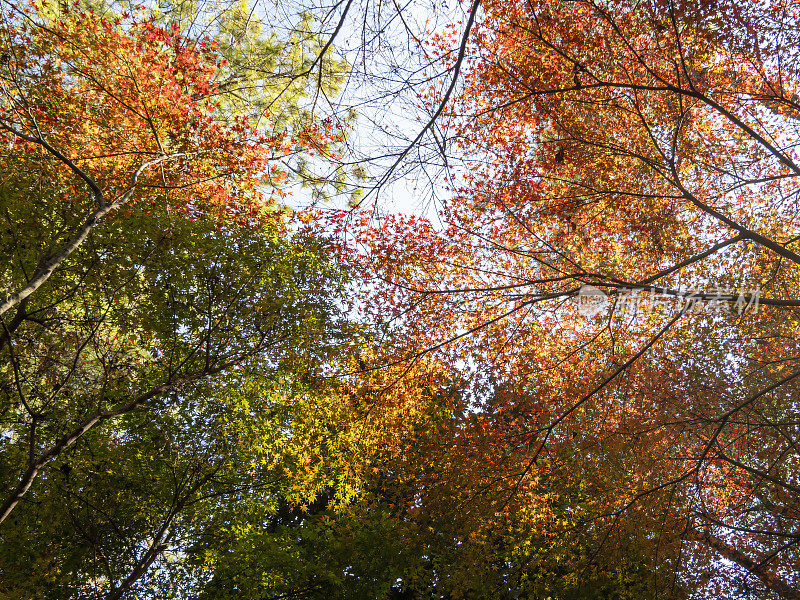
pixel 648 150
pixel 122 112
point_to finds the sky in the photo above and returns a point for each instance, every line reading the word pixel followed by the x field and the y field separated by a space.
pixel 388 68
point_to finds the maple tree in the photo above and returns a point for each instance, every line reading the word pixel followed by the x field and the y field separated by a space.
pixel 412 527
pixel 196 401
pixel 152 271
pixel 627 146
pixel 167 131
pixel 115 123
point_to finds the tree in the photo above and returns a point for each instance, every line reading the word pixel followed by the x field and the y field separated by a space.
pixel 418 524
pixel 624 146
pixel 152 269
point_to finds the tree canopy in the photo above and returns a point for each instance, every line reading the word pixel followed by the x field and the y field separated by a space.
pixel 571 375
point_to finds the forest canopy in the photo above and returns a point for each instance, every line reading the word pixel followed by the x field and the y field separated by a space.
pixel 561 364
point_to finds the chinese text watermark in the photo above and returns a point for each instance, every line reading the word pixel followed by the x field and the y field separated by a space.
pixel 632 301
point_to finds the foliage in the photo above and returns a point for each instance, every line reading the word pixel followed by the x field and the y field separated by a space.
pixel 645 146
pixel 202 396
pixel 151 271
